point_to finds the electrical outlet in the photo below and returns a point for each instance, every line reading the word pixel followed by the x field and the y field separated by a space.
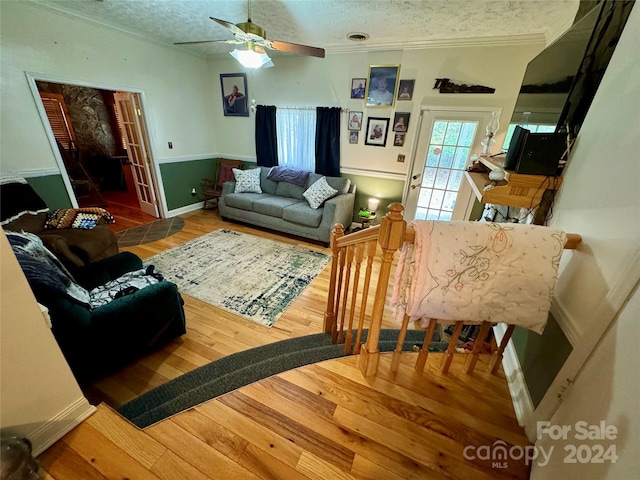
pixel 170 145
pixel 193 192
pixel 400 158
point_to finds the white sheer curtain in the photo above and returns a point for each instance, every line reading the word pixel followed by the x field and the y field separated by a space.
pixel 296 131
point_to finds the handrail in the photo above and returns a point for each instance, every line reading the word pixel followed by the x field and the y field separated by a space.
pixel 348 297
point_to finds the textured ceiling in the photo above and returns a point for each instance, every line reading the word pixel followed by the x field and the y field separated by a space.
pixel 391 24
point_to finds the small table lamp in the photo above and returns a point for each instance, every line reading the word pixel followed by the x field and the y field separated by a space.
pixel 372 205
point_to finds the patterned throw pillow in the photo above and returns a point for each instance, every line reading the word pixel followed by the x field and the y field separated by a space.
pixel 247 181
pixel 84 218
pixel 317 193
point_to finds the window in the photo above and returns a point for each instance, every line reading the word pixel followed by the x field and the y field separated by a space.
pixel 59 119
pixel 296 132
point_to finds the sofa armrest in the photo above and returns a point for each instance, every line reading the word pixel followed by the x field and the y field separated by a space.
pixel 339 209
pixel 228 187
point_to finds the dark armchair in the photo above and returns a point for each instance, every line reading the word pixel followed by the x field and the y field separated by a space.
pixel 22 209
pixel 98 341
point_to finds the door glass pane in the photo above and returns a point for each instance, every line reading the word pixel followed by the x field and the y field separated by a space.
pixel 449 150
pixel 441 178
pixel 429 177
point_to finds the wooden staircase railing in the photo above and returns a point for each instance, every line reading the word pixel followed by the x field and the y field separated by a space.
pixel 351 291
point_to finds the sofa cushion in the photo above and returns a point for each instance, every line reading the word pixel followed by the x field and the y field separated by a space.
pixel 302 214
pixel 320 191
pixel 273 205
pixel 286 189
pixel 341 184
pixel 267 185
pixel 242 201
pixel 247 181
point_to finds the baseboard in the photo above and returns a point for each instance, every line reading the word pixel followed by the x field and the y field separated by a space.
pixel 520 397
pixel 50 432
pixel 186 209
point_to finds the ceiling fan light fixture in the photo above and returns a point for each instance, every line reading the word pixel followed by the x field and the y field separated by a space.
pixel 252 59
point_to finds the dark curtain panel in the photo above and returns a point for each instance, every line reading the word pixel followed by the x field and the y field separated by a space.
pixel 266 139
pixel 328 141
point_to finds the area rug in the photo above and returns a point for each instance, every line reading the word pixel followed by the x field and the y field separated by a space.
pixel 250 276
pixel 242 368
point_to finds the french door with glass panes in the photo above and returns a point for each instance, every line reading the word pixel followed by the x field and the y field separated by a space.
pixel 436 188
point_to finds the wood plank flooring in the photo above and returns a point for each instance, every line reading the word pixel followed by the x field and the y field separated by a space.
pixel 322 421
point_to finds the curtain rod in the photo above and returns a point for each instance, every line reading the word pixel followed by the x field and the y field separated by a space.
pixel 304 108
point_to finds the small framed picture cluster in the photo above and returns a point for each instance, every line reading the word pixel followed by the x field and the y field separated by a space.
pixel 381 88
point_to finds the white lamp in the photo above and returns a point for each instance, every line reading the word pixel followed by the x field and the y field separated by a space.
pixel 252 59
pixel 372 205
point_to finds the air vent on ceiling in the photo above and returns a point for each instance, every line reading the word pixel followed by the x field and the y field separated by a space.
pixel 358 36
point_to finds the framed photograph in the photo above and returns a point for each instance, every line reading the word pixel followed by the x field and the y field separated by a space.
pixel 358 87
pixel 381 85
pixel 405 90
pixel 353 137
pixel 355 120
pixel 401 121
pixel 234 94
pixel 398 140
pixel 377 129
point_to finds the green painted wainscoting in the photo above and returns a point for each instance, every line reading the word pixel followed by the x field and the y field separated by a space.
pixel 386 190
pixel 52 190
pixel 179 178
pixel 541 356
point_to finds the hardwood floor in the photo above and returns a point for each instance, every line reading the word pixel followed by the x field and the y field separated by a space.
pixel 322 421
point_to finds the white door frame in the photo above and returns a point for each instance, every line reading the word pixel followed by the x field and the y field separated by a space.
pixel 32 77
pixel 432 109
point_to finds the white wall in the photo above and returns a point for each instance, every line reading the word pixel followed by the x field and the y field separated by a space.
pixel 600 200
pixel 39 396
pixel 303 81
pixel 178 91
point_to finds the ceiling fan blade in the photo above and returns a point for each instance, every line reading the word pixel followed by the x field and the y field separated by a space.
pixel 233 42
pixel 296 48
pixel 234 29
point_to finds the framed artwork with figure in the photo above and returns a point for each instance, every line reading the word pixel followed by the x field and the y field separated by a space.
pixel 234 94
pixel 382 85
pixel 357 87
pixel 377 129
pixel 355 120
pixel 405 90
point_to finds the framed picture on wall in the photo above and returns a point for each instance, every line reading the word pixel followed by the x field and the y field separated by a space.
pixel 234 94
pixel 377 129
pixel 398 140
pixel 358 87
pixel 353 137
pixel 381 85
pixel 355 120
pixel 405 90
pixel 401 121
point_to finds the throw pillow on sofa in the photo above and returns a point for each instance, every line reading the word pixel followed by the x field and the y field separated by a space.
pixel 319 192
pixel 247 181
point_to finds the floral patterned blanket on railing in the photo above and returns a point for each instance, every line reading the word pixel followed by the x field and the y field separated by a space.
pixel 478 271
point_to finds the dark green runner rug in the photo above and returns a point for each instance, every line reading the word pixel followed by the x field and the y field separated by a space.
pixel 242 368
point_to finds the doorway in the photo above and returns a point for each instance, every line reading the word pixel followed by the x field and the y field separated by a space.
pixel 447 137
pixel 104 150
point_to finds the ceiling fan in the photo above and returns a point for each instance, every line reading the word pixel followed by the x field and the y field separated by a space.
pixel 254 37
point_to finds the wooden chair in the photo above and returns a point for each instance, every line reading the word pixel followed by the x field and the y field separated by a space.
pixel 212 189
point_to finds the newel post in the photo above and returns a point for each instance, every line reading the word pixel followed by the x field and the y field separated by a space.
pixel 390 239
pixel 330 313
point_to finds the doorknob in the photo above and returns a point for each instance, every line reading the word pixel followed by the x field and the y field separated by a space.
pixel 415 177
pixel 413 187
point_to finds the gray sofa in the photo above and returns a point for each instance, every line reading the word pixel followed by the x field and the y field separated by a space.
pixel 282 206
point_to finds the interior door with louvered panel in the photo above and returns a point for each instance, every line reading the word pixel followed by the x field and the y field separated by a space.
pixel 130 113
